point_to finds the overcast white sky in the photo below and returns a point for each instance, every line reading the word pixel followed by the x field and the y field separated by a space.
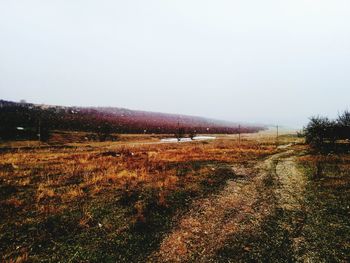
pixel 268 61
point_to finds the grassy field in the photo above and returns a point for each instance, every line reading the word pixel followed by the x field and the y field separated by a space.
pixel 327 200
pixel 121 201
pixel 105 201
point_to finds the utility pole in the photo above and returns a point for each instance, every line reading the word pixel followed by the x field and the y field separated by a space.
pixel 178 129
pixel 277 135
pixel 239 134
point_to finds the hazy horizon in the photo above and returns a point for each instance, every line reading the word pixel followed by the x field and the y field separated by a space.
pixel 267 62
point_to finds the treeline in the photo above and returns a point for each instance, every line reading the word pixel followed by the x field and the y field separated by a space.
pixel 28 121
pixel 325 134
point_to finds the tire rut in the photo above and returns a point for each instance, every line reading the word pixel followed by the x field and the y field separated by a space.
pixel 241 206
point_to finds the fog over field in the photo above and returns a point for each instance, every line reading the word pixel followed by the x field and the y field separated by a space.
pixel 174 131
pixel 273 62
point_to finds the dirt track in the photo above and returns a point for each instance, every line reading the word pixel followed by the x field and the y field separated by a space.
pixel 206 232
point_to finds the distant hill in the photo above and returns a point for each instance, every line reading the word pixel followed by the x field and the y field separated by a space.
pixel 14 116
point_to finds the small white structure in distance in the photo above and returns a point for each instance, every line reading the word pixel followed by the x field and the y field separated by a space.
pixel 197 138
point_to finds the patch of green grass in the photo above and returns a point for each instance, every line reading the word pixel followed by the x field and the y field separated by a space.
pixel 327 229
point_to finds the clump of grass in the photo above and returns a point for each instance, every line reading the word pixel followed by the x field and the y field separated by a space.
pixel 44 194
pixel 72 194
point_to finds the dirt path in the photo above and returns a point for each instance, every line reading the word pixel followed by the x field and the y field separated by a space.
pixel 240 208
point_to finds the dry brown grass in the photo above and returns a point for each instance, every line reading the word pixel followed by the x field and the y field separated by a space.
pixel 20 259
pixel 60 176
pixel 45 182
pixel 12 202
pixel 336 164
